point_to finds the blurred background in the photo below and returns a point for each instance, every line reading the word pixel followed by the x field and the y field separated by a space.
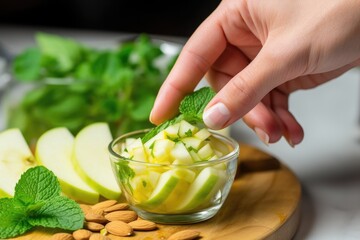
pixel 178 18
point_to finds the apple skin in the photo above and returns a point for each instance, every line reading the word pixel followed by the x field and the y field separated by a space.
pixel 15 158
pixel 205 185
pixel 91 159
pixel 54 151
pixel 165 186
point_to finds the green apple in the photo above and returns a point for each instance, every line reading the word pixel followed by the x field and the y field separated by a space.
pixel 186 129
pixel 143 185
pixel 206 184
pixel 170 187
pixel 181 154
pixel 15 158
pixel 54 151
pixel 91 159
pixel 165 186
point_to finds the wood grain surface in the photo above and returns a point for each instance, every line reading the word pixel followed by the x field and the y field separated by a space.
pixel 263 204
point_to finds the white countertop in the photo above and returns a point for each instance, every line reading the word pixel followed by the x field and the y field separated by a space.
pixel 327 162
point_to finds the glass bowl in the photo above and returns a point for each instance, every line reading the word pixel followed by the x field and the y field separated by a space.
pixel 175 194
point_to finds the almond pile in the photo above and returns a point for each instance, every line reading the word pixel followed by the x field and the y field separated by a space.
pixel 109 219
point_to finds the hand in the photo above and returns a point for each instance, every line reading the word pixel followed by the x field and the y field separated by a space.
pixel 256 53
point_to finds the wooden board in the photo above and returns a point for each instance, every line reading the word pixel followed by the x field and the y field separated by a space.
pixel 263 204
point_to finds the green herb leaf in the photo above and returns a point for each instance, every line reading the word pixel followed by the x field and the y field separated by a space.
pixel 58 212
pixel 191 109
pixel 37 184
pixel 194 104
pixel 159 128
pixel 13 218
pixel 27 65
pixel 125 173
pixel 37 202
pixel 65 52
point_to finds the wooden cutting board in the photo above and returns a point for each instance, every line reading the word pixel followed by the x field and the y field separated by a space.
pixel 263 204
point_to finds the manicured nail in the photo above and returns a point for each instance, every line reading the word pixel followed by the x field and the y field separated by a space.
pixel 290 143
pixel 262 135
pixel 216 116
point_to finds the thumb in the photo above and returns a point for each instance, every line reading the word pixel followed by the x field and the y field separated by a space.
pixel 245 90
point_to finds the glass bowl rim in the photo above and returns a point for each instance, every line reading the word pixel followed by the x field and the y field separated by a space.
pixel 221 159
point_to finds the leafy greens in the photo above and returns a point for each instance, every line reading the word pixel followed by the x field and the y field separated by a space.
pixel 74 85
pixel 37 202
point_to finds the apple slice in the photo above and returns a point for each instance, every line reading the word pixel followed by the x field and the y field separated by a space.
pixel 170 186
pixel 15 158
pixel 205 185
pixel 165 186
pixel 91 159
pixel 54 150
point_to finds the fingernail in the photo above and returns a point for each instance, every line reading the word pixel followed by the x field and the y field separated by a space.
pixel 151 117
pixel 216 116
pixel 262 135
pixel 290 143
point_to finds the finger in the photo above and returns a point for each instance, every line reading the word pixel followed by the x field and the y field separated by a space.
pixel 198 54
pixel 265 123
pixel 217 80
pixel 268 70
pixel 230 62
pixel 292 130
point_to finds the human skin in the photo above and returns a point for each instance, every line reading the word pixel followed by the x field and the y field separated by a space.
pixel 256 53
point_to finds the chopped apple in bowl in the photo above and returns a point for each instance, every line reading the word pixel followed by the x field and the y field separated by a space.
pixel 181 175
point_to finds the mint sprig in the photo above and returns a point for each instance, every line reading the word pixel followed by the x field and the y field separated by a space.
pixel 191 109
pixel 37 202
pixel 35 185
pixel 193 105
pixel 13 218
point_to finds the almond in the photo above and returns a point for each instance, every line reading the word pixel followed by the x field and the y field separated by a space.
pixel 125 216
pixel 97 211
pixel 98 236
pixel 104 204
pixel 143 225
pixel 119 228
pixel 114 237
pixel 85 208
pixel 185 235
pixel 117 207
pixel 62 236
pixel 82 234
pixel 93 226
pixel 95 217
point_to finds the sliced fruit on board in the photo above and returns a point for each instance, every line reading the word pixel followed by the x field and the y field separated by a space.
pixel 91 159
pixel 54 150
pixel 15 158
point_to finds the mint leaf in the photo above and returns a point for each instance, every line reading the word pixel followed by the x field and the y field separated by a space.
pixel 37 202
pixel 58 212
pixel 160 127
pixel 12 218
pixel 125 173
pixel 194 104
pixel 27 65
pixel 191 109
pixel 65 53
pixel 37 184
